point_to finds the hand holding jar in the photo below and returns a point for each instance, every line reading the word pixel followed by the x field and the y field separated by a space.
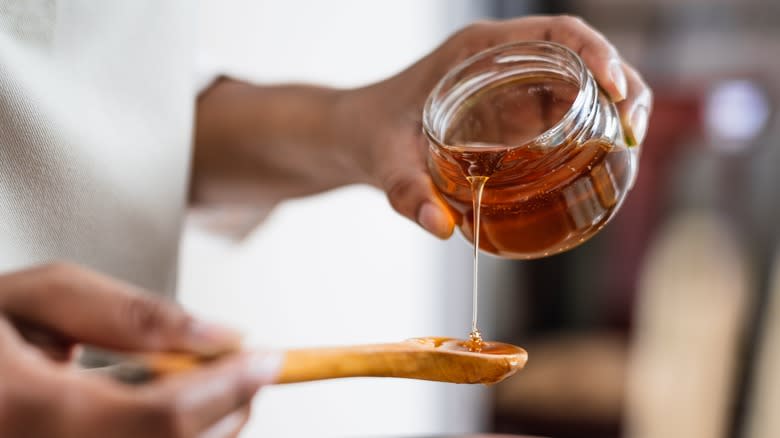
pixel 389 116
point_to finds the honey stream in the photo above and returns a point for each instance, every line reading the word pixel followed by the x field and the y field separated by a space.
pixel 475 342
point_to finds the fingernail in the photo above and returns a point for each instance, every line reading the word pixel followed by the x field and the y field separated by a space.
pixel 619 78
pixel 638 125
pixel 433 219
pixel 210 338
pixel 263 368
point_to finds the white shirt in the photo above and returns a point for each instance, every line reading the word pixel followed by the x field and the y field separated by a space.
pixel 96 118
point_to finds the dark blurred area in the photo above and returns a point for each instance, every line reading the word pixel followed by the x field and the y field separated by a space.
pixel 664 324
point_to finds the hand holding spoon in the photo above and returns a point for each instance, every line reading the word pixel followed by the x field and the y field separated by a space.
pixel 437 359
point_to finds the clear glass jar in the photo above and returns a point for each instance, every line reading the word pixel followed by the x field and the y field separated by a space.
pixel 529 119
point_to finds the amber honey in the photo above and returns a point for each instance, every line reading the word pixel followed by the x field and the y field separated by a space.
pixel 537 200
pixel 485 347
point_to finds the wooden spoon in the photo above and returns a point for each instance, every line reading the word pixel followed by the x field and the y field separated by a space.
pixel 437 359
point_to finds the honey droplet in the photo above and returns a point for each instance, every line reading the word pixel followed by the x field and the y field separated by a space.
pixel 475 342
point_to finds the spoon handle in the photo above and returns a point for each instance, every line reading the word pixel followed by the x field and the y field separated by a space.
pixel 381 360
pixel 300 365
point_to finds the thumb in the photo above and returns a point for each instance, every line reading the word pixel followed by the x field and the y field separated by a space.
pixel 411 194
pixel 88 307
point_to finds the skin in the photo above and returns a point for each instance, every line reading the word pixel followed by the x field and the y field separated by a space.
pixel 260 144
pixel 253 144
pixel 43 395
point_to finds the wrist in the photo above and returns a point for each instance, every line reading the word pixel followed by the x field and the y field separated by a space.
pixel 358 122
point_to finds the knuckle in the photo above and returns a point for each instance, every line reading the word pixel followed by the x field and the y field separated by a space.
pixel 571 21
pixel 648 98
pixel 149 315
pixel 473 36
pixel 647 92
pixel 399 189
pixel 643 91
pixel 60 269
pixel 479 26
pixel 60 275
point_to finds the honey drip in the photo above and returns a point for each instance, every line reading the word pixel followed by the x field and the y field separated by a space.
pixel 475 342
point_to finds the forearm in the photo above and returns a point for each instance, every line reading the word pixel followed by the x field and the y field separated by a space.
pixel 255 143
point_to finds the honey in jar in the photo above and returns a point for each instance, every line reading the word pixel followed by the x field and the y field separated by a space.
pixel 525 128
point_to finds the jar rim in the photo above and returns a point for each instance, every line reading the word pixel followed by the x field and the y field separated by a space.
pixel 583 80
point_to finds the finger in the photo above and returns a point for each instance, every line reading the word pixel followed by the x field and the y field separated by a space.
pixel 79 404
pixel 599 55
pixel 411 194
pixel 52 345
pixel 230 426
pixel 30 390
pixel 409 188
pixel 635 109
pixel 9 337
pixel 95 309
pixel 13 345
pixel 201 399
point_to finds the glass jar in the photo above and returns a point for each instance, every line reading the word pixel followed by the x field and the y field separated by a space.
pixel 529 120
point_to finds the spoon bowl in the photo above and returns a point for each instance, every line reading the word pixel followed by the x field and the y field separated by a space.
pixel 431 358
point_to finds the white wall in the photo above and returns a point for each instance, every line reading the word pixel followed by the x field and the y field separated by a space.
pixel 339 268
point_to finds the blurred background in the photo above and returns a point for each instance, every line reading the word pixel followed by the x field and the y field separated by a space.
pixel 665 324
